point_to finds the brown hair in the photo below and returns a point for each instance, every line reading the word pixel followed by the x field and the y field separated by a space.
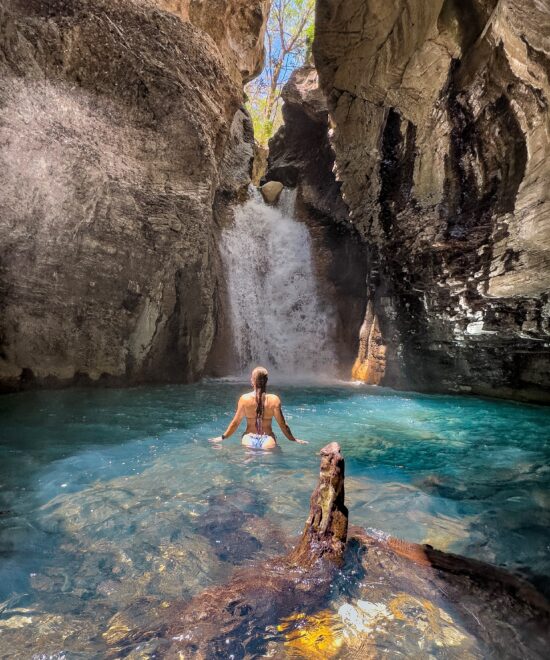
pixel 259 380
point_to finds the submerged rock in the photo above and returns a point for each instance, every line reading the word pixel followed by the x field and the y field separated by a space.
pixel 403 597
pixel 229 619
pixel 223 526
pixel 313 636
pixel 418 597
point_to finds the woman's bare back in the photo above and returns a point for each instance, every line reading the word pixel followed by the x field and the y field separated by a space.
pixel 271 408
pixel 271 404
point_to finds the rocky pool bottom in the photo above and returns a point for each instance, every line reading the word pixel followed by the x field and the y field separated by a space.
pixel 113 504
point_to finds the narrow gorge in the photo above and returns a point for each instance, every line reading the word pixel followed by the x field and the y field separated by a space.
pixel 417 143
pixel 353 194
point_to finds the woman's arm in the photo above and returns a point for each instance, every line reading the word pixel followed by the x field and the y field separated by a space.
pixel 281 421
pixel 233 425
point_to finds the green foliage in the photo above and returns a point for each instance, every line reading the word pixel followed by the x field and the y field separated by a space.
pixel 289 35
pixel 264 127
pixel 310 36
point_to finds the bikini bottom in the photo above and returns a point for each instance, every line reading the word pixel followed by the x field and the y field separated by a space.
pixel 256 440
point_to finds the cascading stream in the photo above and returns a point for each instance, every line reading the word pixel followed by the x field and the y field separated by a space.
pixel 277 315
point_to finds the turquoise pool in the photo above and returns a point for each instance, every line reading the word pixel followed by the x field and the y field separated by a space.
pixel 107 496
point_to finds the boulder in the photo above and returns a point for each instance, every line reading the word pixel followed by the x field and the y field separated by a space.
pixel 271 191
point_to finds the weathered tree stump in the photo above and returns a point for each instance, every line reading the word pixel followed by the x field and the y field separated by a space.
pixel 415 596
pixel 232 620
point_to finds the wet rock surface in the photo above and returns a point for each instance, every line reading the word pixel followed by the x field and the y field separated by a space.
pixel 439 118
pixel 402 597
pixel 233 619
pixel 121 126
pixel 443 601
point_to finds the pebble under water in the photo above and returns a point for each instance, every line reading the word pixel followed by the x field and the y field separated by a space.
pixel 112 496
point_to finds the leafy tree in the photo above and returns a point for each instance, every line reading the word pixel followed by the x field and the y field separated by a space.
pixel 288 39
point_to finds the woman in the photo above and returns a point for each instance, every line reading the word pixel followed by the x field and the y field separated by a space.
pixel 259 408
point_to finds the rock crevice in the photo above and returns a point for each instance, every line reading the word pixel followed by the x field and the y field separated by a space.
pixel 301 156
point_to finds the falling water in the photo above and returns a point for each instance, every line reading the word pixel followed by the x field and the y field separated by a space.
pixel 277 315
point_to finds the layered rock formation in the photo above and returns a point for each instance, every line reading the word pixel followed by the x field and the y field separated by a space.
pixel 123 136
pixel 441 126
pixel 237 27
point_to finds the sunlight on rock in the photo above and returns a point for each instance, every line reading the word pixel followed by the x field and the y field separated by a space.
pixel 312 636
pixel 118 629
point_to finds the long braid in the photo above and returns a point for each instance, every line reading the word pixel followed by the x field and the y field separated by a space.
pixel 259 378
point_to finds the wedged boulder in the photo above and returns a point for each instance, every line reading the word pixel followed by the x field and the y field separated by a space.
pixel 271 191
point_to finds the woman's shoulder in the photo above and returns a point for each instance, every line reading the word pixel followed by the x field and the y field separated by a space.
pixel 250 397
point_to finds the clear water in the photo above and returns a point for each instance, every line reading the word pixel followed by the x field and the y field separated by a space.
pixel 278 315
pixel 109 496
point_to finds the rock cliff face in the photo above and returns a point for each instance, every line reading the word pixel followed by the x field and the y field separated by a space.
pixel 120 121
pixel 237 27
pixel 440 123
pixel 300 152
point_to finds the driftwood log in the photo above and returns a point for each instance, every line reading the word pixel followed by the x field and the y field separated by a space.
pixel 504 615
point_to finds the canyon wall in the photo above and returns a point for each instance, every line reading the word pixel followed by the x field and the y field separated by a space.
pixel 123 140
pixel 439 120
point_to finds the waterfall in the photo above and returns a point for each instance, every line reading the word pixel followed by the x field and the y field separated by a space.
pixel 277 315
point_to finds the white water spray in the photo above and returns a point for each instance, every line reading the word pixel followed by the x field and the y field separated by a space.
pixel 277 315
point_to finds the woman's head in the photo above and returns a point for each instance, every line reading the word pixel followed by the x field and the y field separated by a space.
pixel 259 378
